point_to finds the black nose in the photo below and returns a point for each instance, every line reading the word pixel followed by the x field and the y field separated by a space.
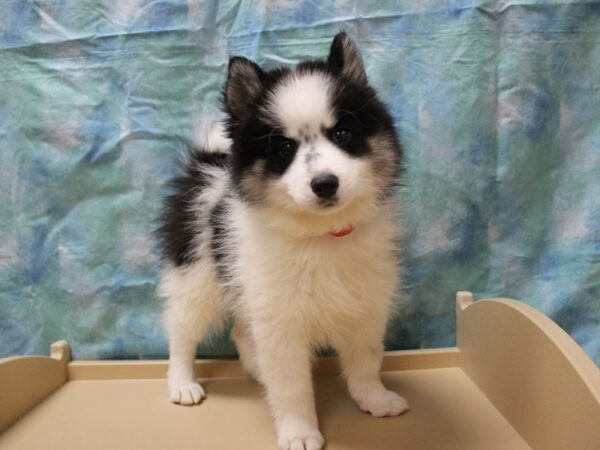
pixel 325 185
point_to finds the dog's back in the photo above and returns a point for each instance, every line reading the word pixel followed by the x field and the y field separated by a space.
pixel 202 182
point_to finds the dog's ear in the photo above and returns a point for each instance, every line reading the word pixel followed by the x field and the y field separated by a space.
pixel 344 59
pixel 244 85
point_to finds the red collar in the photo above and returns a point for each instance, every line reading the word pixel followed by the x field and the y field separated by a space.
pixel 343 232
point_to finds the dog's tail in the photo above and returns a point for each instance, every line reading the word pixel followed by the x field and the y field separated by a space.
pixel 212 138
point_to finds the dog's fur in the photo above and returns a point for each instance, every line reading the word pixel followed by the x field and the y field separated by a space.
pixel 246 236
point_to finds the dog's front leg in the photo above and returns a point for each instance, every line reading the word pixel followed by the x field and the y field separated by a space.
pixel 360 356
pixel 284 359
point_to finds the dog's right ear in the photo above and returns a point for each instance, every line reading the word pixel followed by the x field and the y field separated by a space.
pixel 344 59
pixel 244 85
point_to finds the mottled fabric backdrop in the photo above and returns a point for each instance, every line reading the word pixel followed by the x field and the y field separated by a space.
pixel 498 104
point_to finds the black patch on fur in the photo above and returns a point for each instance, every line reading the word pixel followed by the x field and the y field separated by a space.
pixel 359 110
pixel 177 231
pixel 253 139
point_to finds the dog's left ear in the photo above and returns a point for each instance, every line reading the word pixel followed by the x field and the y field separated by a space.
pixel 344 59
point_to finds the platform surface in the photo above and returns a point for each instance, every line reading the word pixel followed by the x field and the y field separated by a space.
pixel 447 412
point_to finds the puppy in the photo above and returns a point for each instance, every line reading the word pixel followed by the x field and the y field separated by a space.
pixel 286 223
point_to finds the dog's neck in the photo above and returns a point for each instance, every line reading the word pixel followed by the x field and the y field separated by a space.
pixel 307 226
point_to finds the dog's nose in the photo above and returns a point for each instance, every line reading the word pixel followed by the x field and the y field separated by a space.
pixel 325 185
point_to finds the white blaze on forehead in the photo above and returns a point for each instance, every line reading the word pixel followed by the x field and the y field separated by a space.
pixel 301 103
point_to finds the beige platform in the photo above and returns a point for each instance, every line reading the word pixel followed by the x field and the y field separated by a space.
pixel 515 381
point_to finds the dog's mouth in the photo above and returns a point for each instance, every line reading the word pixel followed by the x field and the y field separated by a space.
pixel 327 207
pixel 327 203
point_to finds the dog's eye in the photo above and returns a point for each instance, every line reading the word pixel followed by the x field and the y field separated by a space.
pixel 342 135
pixel 287 148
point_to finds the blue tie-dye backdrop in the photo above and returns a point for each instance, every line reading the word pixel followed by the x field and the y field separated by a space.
pixel 498 104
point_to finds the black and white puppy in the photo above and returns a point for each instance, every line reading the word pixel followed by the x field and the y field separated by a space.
pixel 286 224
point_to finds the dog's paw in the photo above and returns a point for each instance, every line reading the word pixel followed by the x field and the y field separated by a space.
pixel 382 403
pixel 186 393
pixel 312 440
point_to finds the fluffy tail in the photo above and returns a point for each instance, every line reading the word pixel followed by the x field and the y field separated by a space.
pixel 212 138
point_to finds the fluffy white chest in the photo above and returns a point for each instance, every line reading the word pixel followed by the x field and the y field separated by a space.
pixel 323 282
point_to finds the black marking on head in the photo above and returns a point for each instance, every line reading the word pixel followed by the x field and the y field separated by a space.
pixel 259 141
pixel 361 113
pixel 255 139
pixel 177 229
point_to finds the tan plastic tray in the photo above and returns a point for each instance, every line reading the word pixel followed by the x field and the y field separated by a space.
pixel 514 381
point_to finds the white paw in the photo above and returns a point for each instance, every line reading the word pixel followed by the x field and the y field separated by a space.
pixel 186 393
pixel 383 403
pixel 311 440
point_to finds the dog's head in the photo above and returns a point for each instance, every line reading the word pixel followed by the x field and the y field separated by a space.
pixel 313 142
